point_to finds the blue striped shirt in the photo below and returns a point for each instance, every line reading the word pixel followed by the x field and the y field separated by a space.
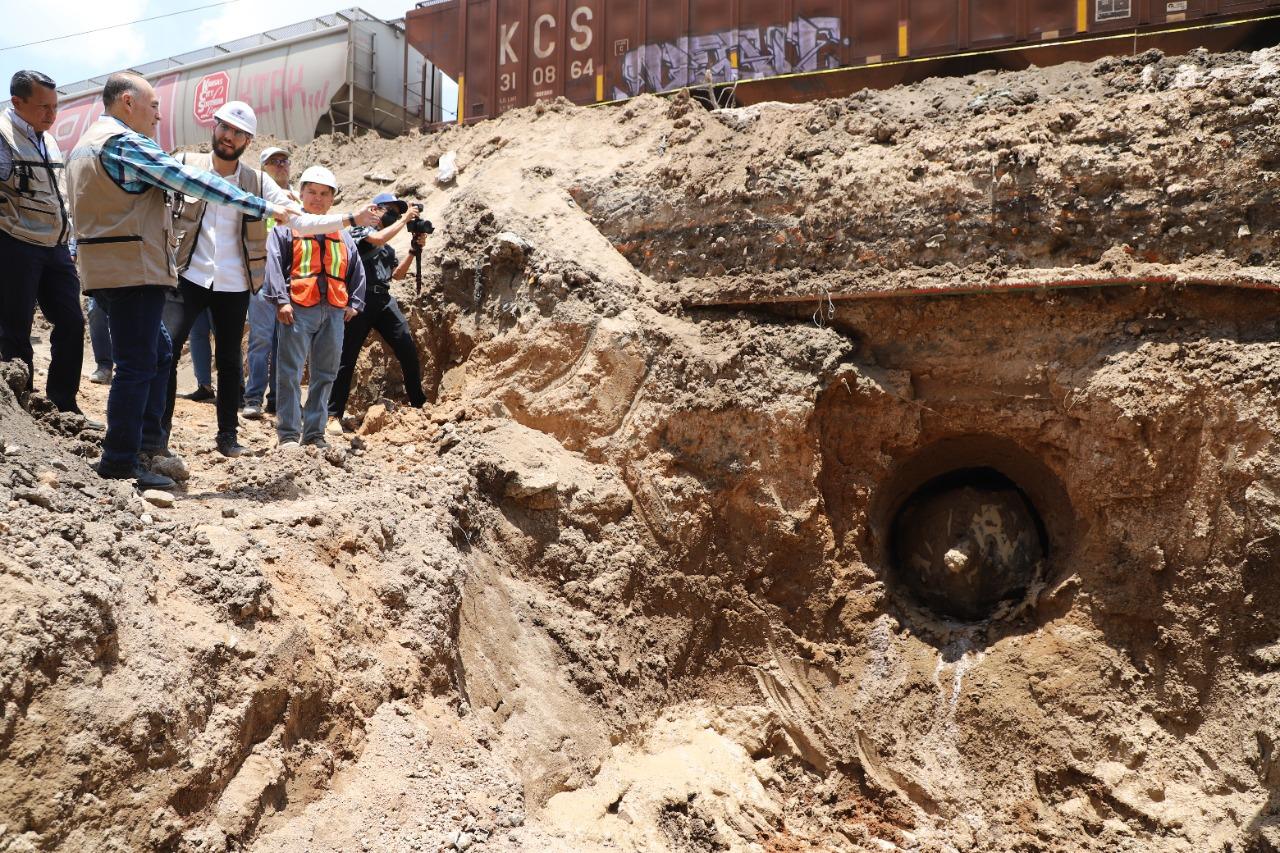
pixel 135 162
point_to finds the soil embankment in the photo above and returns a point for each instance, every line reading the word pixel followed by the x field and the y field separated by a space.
pixel 630 582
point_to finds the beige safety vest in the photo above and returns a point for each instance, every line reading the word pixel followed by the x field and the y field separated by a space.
pixel 124 239
pixel 33 205
pixel 253 232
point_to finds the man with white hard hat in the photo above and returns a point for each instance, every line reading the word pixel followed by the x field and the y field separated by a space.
pixel 221 258
pixel 318 285
pixel 260 367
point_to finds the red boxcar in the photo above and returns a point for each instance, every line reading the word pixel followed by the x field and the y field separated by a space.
pixel 511 53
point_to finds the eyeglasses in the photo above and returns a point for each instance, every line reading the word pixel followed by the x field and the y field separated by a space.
pixel 278 161
pixel 222 127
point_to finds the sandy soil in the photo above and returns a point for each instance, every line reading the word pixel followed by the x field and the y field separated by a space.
pixel 625 583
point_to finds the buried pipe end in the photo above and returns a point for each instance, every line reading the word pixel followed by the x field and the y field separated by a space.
pixel 969 525
pixel 965 542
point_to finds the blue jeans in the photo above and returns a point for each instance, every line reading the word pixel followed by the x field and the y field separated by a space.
pixel 99 334
pixel 202 351
pixel 262 347
pixel 142 353
pixel 43 276
pixel 316 332
pixel 198 343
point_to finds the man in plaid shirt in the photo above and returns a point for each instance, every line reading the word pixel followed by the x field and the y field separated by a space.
pixel 119 185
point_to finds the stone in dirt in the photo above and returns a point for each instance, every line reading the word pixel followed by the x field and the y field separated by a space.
pixel 158 498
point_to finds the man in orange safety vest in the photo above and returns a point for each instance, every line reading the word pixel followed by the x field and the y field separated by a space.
pixel 317 284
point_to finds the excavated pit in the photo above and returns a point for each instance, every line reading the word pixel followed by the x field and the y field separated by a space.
pixel 630 581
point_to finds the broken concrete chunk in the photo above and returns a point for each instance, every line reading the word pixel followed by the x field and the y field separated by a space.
pixel 41 497
pixel 1267 657
pixel 158 498
pixel 171 467
pixel 374 419
pixel 511 247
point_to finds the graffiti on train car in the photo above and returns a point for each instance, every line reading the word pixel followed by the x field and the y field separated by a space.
pixel 285 88
pixel 806 44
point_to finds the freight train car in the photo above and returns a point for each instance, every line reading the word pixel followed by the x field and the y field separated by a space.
pixel 512 53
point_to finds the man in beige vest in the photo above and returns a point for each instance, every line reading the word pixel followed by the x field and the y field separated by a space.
pixel 119 181
pixel 221 256
pixel 34 231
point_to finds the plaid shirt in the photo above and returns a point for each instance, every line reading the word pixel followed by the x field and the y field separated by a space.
pixel 135 162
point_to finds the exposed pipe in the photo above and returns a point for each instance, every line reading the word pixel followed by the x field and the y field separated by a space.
pixel 995 288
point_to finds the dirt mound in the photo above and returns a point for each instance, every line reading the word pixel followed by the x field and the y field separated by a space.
pixel 631 581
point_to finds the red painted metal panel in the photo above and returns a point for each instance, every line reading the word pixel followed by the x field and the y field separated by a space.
pixel 995 21
pixel 933 27
pixel 583 59
pixel 623 37
pixel 874 29
pixel 511 53
pixel 477 91
pixel 433 29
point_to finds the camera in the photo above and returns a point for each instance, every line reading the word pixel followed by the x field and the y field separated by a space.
pixel 420 226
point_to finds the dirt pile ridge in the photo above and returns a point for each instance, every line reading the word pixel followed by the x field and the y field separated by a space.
pixel 628 582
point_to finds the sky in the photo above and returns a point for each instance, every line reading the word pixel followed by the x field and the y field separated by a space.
pixel 68 60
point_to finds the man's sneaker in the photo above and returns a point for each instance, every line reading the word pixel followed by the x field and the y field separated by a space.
pixel 334 427
pixel 101 376
pixel 252 412
pixel 317 442
pixel 204 392
pixel 141 476
pixel 291 444
pixel 229 447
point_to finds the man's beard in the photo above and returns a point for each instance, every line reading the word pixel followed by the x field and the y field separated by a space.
pixel 228 151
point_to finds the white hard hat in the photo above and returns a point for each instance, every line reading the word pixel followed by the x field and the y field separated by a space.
pixel 239 115
pixel 318 175
pixel 271 152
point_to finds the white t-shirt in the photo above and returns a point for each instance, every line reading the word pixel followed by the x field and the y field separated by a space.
pixel 217 262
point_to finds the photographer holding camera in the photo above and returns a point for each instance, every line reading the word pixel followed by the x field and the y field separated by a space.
pixel 382 312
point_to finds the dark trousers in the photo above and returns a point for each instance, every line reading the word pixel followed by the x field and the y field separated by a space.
pixel 142 353
pixel 45 276
pixel 228 311
pixel 383 314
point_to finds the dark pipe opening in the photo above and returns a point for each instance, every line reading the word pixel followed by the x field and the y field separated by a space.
pixel 966 541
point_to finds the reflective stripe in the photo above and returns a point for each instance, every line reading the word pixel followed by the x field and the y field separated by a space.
pixel 311 279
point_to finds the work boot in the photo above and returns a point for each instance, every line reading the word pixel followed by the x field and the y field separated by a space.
pixel 317 442
pixel 229 447
pixel 200 395
pixel 143 478
pixel 101 376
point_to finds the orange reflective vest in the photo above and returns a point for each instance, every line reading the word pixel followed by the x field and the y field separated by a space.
pixel 319 270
